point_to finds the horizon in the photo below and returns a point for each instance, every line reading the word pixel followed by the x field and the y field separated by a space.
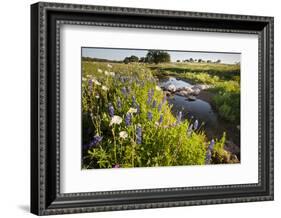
pixel 113 55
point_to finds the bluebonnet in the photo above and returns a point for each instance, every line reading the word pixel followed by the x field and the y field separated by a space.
pixel 149 97
pixel 161 119
pixel 119 105
pixel 124 91
pixel 196 124
pixel 154 104
pixel 189 130
pixel 179 117
pixel 90 85
pixel 139 135
pixel 133 101
pixel 128 119
pixel 211 145
pixel 95 141
pixel 208 157
pixel 138 108
pixel 159 107
pixel 149 115
pixel 111 110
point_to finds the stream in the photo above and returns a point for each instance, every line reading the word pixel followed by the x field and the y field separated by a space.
pixel 202 110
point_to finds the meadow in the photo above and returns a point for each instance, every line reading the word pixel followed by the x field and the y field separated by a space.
pixel 128 122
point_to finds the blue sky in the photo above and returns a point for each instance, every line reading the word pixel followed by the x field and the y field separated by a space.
pixel 119 54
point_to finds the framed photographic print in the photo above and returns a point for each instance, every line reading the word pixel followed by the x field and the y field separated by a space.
pixel 140 108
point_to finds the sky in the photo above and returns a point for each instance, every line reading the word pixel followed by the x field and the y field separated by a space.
pixel 119 54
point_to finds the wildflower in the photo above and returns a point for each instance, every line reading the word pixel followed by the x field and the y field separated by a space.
pixel 116 166
pixel 189 130
pixel 106 73
pixel 84 79
pixel 128 89
pixel 149 97
pixel 154 104
pixel 95 141
pixel 115 120
pixel 134 100
pixel 119 105
pixel 208 157
pixel 96 82
pixel 158 88
pixel 149 116
pixel 179 117
pixel 111 73
pixel 97 96
pixel 164 99
pixel 159 107
pixel 128 118
pixel 161 119
pixel 132 110
pixel 196 124
pixel 111 110
pixel 90 85
pixel 123 134
pixel 124 91
pixel 99 70
pixel 211 145
pixel 138 109
pixel 139 134
pixel 109 66
pixel 104 88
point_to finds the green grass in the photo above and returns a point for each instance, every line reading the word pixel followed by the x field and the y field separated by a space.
pixel 162 144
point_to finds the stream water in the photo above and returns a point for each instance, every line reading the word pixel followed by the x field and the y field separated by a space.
pixel 202 111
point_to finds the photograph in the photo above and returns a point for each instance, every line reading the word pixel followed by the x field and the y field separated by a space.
pixel 159 108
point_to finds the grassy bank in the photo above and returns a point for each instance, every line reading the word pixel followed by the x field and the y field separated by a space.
pixel 224 78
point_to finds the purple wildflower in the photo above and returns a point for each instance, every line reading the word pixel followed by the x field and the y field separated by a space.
pixel 154 104
pixel 149 116
pixel 159 107
pixel 161 119
pixel 196 124
pixel 124 91
pixel 116 166
pixel 111 110
pixel 149 97
pixel 164 99
pixel 189 131
pixel 208 157
pixel 179 117
pixel 95 141
pixel 119 105
pixel 128 119
pixel 139 135
pixel 138 108
pixel 211 145
pixel 90 85
pixel 134 101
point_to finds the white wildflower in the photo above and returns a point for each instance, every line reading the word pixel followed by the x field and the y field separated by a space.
pixel 106 73
pixel 84 79
pixel 97 96
pixel 132 110
pixel 158 88
pixel 111 73
pixel 109 66
pixel 115 120
pixel 100 70
pixel 96 82
pixel 104 88
pixel 123 134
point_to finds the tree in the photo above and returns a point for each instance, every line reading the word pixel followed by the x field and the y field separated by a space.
pixel 142 60
pixel 218 61
pixel 133 58
pixel 191 60
pixel 178 61
pixel 156 56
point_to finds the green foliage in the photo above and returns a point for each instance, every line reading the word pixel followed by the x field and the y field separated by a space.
pixel 157 56
pixel 162 143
